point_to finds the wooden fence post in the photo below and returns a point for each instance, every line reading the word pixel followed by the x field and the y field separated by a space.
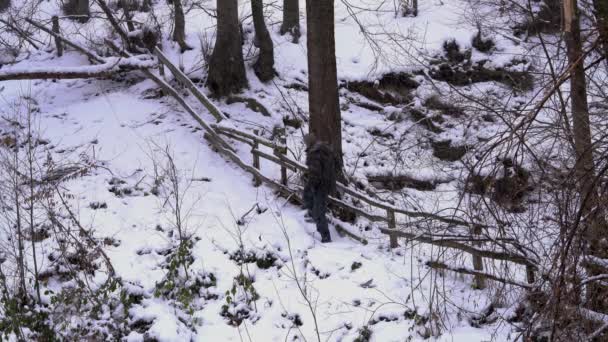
pixel 283 151
pixel 392 224
pixel 256 158
pixel 480 281
pixel 58 42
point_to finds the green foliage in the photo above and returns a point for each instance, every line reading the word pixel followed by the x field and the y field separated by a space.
pixel 241 292
pixel 17 316
pixel 179 286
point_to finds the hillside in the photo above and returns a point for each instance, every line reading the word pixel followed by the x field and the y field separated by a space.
pixel 139 230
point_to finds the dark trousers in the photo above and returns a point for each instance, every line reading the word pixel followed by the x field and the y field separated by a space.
pixel 316 203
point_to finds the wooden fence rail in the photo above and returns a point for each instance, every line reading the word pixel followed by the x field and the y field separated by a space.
pixel 470 244
pixel 213 135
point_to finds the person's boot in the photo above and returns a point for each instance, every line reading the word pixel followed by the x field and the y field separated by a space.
pixel 325 238
pixel 308 217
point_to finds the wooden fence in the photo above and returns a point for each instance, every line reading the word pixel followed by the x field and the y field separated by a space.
pixel 471 244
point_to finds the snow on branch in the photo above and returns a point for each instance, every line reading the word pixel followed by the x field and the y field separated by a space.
pixel 109 68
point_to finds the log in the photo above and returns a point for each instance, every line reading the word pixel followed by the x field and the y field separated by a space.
pixel 107 69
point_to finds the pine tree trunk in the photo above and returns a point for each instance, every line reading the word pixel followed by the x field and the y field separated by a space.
pixel 226 65
pixel 291 19
pixel 601 15
pixel 593 223
pixel 83 9
pixel 179 29
pixel 264 66
pixel 78 7
pixel 324 107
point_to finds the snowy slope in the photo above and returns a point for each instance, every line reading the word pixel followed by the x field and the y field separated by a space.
pixel 391 292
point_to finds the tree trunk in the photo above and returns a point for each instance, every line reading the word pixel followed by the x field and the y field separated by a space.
pixel 226 65
pixel 78 7
pixel 264 66
pixel 592 222
pixel 291 19
pixel 324 107
pixel 128 18
pixel 179 29
pixel 4 5
pixel 601 15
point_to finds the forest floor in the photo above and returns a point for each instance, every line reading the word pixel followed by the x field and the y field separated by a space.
pixel 342 289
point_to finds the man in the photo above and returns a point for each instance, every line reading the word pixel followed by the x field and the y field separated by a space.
pixel 321 182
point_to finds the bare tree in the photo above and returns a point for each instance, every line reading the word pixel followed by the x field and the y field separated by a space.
pixel 601 15
pixel 179 28
pixel 4 4
pixel 226 66
pixel 324 107
pixel 594 225
pixel 264 66
pixel 291 19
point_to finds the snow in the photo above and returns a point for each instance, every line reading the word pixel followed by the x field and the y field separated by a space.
pixel 128 133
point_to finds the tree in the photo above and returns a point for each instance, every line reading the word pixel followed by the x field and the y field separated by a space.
pixel 324 106
pixel 226 65
pixel 593 224
pixel 291 19
pixel 79 8
pixel 264 66
pixel 601 15
pixel 179 28
pixel 4 4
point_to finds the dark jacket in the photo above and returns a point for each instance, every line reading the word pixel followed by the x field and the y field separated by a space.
pixel 322 167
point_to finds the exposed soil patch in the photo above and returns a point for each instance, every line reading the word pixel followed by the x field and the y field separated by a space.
pixel 455 67
pixel 436 103
pixel 467 74
pixel 398 182
pixel 424 121
pixel 445 151
pixel 250 103
pixel 392 88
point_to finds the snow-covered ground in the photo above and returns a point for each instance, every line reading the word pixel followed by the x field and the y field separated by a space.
pixel 333 290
